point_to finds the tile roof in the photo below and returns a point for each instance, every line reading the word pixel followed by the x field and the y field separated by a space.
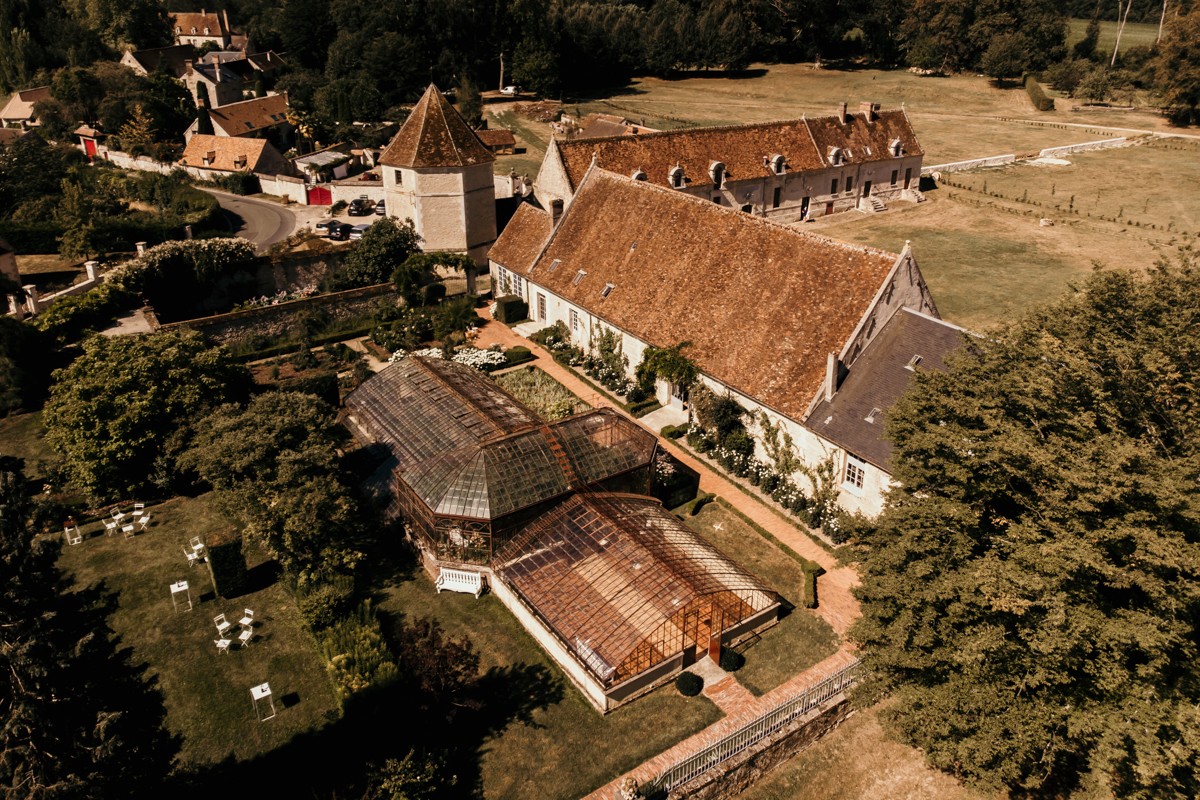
pixel 876 380
pixel 496 137
pixel 20 105
pixel 186 20
pixel 865 141
pixel 172 58
pixel 741 148
pixel 522 239
pixel 239 71
pixel 435 135
pixel 224 152
pixel 762 304
pixel 10 135
pixel 248 116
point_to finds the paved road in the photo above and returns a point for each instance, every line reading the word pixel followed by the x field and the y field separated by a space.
pixel 260 221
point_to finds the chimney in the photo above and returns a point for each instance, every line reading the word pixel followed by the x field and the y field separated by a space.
pixel 90 268
pixel 842 114
pixel 225 19
pixel 556 212
pixel 831 375
pixel 870 111
pixel 141 248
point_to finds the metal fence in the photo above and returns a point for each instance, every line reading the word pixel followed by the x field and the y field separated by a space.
pixel 755 731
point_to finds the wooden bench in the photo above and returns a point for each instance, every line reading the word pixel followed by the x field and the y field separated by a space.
pixel 459 580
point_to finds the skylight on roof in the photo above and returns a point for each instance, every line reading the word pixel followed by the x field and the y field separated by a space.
pixel 875 413
pixel 578 277
pixel 554 264
pixel 913 362
pixel 607 290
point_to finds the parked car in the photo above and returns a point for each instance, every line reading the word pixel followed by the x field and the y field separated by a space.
pixel 340 231
pixel 358 230
pixel 380 209
pixel 326 225
pixel 359 207
pixel 510 91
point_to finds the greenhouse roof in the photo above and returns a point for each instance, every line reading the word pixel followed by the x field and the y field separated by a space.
pixel 613 574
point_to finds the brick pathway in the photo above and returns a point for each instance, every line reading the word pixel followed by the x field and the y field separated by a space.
pixel 729 695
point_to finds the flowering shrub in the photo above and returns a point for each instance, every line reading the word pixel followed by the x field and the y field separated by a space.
pixel 485 360
pixel 428 352
pixel 206 259
pixel 279 297
pixel 781 488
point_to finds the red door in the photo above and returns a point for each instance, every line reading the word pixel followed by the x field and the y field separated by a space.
pixel 319 196
pixel 89 147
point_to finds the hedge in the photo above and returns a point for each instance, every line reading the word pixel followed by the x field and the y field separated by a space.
pixel 510 309
pixel 1034 89
pixel 227 564
pixel 518 355
pixel 323 385
pixel 689 684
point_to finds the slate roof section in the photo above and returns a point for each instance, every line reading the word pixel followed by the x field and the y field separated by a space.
pixel 187 20
pixel 249 116
pixel 227 153
pixel 172 59
pixel 20 105
pixel 435 135
pixel 496 137
pixel 878 378
pixel 741 148
pixel 522 239
pixel 12 135
pixel 762 304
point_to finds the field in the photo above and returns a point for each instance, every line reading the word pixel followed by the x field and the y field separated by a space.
pixel 1137 34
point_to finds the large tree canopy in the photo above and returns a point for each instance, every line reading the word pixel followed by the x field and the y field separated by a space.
pixel 117 412
pixel 1032 592
pixel 76 719
pixel 1177 68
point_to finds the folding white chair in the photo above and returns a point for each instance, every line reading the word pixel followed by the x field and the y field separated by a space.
pixel 110 527
pixel 129 530
pixel 118 514
pixel 73 535
pixel 192 558
pixel 138 508
pixel 248 620
pixel 222 625
pixel 245 636
pixel 223 645
pixel 143 522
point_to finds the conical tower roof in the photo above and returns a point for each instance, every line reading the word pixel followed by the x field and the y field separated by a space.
pixel 435 135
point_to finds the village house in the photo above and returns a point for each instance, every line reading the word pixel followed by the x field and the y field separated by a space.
pixel 222 82
pixel 787 171
pixel 776 318
pixel 500 141
pixel 259 118
pixel 18 111
pixel 597 126
pixel 209 157
pixel 555 518
pixel 437 173
pixel 171 60
pixel 198 29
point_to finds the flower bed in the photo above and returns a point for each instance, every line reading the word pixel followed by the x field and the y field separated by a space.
pixel 536 389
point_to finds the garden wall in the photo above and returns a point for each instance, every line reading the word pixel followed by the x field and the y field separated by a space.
pixel 973 163
pixel 294 189
pixel 285 319
pixel 1102 144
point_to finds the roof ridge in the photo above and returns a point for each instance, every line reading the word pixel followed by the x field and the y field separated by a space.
pixel 441 106
pixel 938 320
pixel 751 218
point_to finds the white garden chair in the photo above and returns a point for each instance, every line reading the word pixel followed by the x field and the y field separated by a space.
pixel 191 556
pixel 248 620
pixel 222 624
pixel 245 636
pixel 138 508
pixel 73 535
pixel 118 514
pixel 110 527
pixel 143 522
pixel 129 530
pixel 223 645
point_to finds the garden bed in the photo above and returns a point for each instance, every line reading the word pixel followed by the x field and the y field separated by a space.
pixel 536 389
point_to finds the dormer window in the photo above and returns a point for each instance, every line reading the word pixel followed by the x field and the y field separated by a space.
pixel 676 177
pixel 178 29
pixel 874 415
pixel 578 277
pixel 193 30
pixel 778 164
pixel 554 265
pixel 913 363
pixel 210 157
pixel 240 162
pixel 206 31
pixel 717 172
pixel 896 147
pixel 836 156
pixel 638 175
pixel 607 290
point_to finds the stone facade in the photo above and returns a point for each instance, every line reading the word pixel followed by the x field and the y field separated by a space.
pixel 453 208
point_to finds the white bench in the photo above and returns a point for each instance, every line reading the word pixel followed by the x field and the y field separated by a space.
pixel 459 580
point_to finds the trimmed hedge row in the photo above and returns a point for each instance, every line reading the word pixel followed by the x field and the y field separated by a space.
pixel 510 309
pixel 1038 95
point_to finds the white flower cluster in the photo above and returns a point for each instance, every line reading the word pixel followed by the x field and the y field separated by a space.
pixel 479 359
pixel 208 256
pixel 428 352
pixel 280 297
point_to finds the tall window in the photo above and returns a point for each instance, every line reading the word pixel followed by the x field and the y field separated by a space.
pixel 833 186
pixel 856 471
pixel 399 176
pixel 895 175
pixel 850 184
pixel 575 326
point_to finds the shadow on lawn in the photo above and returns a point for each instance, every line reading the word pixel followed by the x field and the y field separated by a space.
pixel 413 712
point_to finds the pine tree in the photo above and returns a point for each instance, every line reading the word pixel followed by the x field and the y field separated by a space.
pixel 1032 593
pixel 78 720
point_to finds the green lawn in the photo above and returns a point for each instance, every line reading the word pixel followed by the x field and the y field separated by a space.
pixel 536 389
pixel 801 638
pixel 1137 34
pixel 207 694
pixel 21 436
pixel 567 749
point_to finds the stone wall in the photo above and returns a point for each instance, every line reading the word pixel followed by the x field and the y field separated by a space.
pixel 284 320
pixel 1102 144
pixel 294 189
pixel 736 775
pixel 957 166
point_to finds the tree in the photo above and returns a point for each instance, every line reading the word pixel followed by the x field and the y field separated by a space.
pixel 118 413
pixel 1086 47
pixel 1031 593
pixel 79 721
pixel 417 776
pixel 274 466
pixel 25 355
pixel 1005 57
pixel 1094 85
pixel 470 102
pixel 1177 68
pixel 386 245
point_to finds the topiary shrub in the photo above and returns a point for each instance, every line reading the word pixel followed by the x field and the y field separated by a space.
pixel 323 604
pixel 732 660
pixel 689 684
pixel 700 502
pixel 518 355
pixel 433 293
pixel 226 563
pixel 510 309
pixel 1034 89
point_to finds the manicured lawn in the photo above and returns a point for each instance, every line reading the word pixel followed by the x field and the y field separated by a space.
pixel 207 694
pixel 567 749
pixel 21 436
pixel 536 389
pixel 531 136
pixel 857 761
pixel 801 638
pixel 1140 34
